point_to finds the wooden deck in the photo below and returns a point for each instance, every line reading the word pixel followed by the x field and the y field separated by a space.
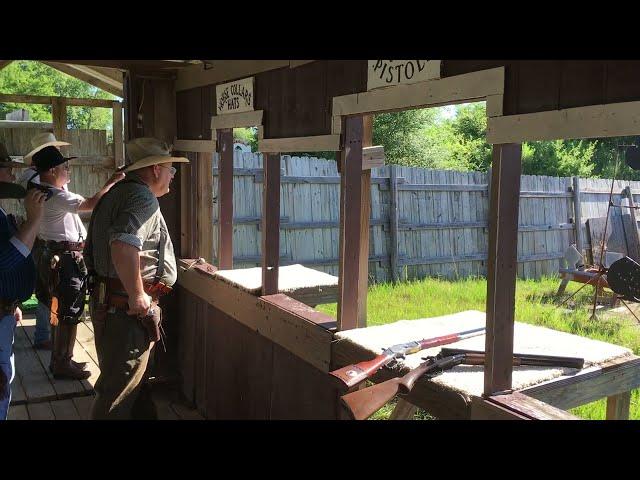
pixel 36 395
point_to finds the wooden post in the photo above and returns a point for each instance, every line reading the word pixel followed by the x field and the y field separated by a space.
pixel 225 198
pixel 270 223
pixel 393 222
pixel 365 215
pixel 577 216
pixel 618 406
pixel 118 143
pixel 350 223
pixel 186 225
pixel 59 116
pixel 502 266
pixel 634 221
pixel 204 206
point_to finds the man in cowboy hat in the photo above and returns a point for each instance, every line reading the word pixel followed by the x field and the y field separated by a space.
pixel 41 336
pixel 17 270
pixel 130 252
pixel 62 273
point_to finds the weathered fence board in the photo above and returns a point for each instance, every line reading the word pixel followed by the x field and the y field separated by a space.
pixel 441 218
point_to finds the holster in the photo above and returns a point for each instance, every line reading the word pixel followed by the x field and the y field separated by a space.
pixel 151 323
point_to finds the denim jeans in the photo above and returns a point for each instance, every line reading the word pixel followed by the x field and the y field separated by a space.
pixel 7 329
pixel 43 330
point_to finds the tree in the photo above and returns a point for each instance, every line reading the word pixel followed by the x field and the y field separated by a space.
pixel 248 136
pixel 34 78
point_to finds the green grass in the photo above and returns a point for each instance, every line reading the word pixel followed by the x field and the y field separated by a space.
pixel 387 303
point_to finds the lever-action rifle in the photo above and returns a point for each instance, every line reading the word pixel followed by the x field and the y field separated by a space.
pixel 361 404
pixel 352 375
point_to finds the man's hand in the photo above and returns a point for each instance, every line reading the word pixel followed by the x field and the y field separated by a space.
pixel 18 315
pixel 34 205
pixel 115 178
pixel 139 305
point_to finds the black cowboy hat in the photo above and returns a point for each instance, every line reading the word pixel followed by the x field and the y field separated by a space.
pixel 48 157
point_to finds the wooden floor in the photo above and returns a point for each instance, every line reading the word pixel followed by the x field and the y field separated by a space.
pixel 36 395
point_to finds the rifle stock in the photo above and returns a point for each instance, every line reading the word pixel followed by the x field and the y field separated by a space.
pixel 352 375
pixel 361 404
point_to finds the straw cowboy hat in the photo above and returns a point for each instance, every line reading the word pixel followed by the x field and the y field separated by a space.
pixel 43 140
pixel 147 151
pixel 7 161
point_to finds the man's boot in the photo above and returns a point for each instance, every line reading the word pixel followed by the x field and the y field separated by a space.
pixel 52 361
pixel 63 349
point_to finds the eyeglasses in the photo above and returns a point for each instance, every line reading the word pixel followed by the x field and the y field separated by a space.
pixel 172 170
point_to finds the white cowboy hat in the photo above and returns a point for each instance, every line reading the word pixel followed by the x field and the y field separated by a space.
pixel 147 151
pixel 43 140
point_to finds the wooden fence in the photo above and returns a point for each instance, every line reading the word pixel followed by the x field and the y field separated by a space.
pixel 441 218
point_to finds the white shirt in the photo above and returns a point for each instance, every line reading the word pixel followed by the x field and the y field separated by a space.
pixel 61 222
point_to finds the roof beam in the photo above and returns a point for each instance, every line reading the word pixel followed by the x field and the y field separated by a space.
pixel 92 77
pixel 148 65
pixel 4 63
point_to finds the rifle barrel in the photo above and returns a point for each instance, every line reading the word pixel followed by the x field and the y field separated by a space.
pixel 474 357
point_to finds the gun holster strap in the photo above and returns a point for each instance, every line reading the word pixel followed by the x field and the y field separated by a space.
pixel 115 287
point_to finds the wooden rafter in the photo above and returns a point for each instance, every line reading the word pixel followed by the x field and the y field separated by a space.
pixel 4 63
pixel 92 76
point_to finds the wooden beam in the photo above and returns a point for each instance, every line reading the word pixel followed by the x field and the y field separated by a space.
pixel 270 224
pixel 140 65
pixel 224 70
pixel 90 76
pixel 372 157
pixel 615 377
pixel 609 120
pixel 118 132
pixel 204 206
pixel 4 63
pixel 194 145
pixel 237 120
pixel 186 226
pixel 59 114
pixel 393 222
pixel 225 198
pixel 48 100
pixel 529 407
pixel 577 216
pixel 502 266
pixel 365 215
pixel 298 63
pixel 618 406
pixel 291 324
pixel 350 223
pixel 319 143
pixel 448 90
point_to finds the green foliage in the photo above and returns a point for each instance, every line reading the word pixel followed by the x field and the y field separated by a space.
pixel 34 78
pixel 248 136
pixel 559 158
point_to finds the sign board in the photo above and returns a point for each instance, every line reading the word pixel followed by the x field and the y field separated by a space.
pixel 387 73
pixel 235 97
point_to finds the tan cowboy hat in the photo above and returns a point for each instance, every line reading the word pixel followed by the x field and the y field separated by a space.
pixel 7 161
pixel 43 140
pixel 147 151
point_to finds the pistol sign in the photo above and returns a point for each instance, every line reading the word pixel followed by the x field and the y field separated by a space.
pixel 235 97
pixel 386 73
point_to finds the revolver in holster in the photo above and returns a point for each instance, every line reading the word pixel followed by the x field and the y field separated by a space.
pixel 151 322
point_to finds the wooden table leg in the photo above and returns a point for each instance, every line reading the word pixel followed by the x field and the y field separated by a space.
pixel 563 286
pixel 403 411
pixel 618 406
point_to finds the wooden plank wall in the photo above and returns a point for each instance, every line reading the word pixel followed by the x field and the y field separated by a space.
pixel 231 372
pixel 428 201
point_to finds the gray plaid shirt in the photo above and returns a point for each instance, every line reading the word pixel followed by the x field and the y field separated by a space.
pixel 130 212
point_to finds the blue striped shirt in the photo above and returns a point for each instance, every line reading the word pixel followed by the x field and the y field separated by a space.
pixel 17 269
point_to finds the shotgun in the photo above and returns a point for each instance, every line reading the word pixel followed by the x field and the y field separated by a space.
pixel 361 404
pixel 352 375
